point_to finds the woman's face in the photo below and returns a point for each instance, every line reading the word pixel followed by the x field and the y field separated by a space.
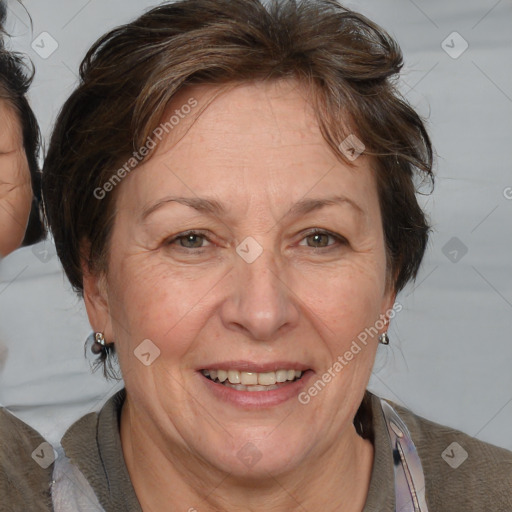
pixel 285 267
pixel 15 183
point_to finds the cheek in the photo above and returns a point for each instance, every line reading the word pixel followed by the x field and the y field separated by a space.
pixel 155 301
pixel 344 300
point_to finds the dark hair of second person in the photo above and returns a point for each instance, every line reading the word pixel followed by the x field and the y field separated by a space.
pixel 15 80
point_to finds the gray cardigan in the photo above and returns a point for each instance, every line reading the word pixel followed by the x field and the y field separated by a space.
pixel 25 467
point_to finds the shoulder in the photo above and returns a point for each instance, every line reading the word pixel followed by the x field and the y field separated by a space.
pixel 86 434
pixel 81 444
pixel 26 465
pixel 461 472
pixel 93 449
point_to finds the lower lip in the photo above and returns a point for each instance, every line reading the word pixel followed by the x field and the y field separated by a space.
pixel 257 399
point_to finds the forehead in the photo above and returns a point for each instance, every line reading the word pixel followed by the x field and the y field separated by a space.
pixel 242 140
pixel 270 114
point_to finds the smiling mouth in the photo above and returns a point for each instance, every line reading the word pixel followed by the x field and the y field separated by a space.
pixel 253 381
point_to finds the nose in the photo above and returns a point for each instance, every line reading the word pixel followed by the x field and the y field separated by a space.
pixel 260 303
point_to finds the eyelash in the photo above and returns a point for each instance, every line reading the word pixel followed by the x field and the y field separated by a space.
pixel 338 238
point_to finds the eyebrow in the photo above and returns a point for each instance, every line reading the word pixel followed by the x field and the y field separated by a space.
pixel 210 206
pixel 213 207
pixel 308 205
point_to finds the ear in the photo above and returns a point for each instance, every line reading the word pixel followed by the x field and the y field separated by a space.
pixel 389 300
pixel 96 301
pixel 387 309
pixel 389 297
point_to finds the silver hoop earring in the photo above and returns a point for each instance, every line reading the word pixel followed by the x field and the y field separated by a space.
pixel 384 338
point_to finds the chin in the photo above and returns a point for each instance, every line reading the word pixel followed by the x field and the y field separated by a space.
pixel 252 458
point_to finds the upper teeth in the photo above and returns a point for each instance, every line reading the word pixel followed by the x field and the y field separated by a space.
pixel 253 378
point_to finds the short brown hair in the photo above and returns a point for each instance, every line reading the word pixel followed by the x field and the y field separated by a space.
pixel 129 76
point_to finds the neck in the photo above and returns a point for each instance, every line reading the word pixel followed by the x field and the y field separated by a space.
pixel 166 476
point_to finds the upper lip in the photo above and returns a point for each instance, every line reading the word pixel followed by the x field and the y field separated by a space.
pixel 251 366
